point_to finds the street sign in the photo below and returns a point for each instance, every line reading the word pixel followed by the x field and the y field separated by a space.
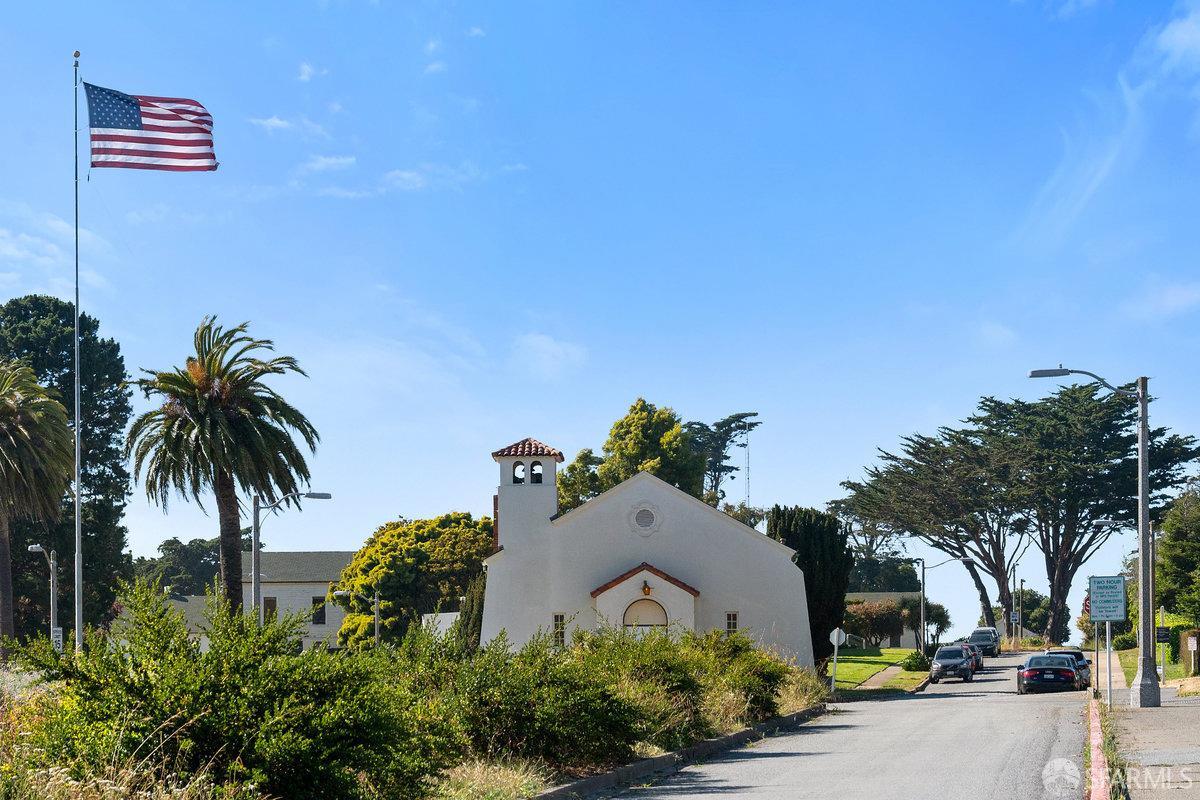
pixel 56 639
pixel 1107 594
pixel 837 637
pixel 1192 643
pixel 1162 634
pixel 1013 616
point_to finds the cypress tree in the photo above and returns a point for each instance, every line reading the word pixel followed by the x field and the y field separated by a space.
pixel 823 553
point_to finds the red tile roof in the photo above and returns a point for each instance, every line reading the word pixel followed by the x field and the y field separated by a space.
pixel 526 448
pixel 599 590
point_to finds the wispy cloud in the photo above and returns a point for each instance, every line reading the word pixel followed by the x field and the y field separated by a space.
pixel 434 67
pixel 1179 42
pixel 1161 301
pixel 432 46
pixel 304 125
pixel 476 32
pixel 423 177
pixel 272 123
pixel 994 334
pixel 307 72
pixel 334 107
pixel 326 163
pixel 37 250
pixel 546 358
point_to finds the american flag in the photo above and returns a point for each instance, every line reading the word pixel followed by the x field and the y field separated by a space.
pixel 143 132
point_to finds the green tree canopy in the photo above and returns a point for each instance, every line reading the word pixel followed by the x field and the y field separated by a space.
pixel 38 330
pixel 1179 557
pixel 824 555
pixel 36 458
pixel 874 620
pixel 221 428
pixel 647 439
pixel 417 567
pixel 883 574
pixel 186 568
pixel 715 444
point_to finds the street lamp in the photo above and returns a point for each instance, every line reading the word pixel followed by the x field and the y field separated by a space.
pixel 921 638
pixel 255 571
pixel 1144 692
pixel 52 562
pixel 375 606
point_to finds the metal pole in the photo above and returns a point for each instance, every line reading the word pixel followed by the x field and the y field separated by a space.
pixel 53 592
pixel 255 576
pixel 1144 691
pixel 1162 646
pixel 1021 609
pixel 833 673
pixel 1096 654
pixel 1108 650
pixel 377 616
pixel 78 417
pixel 921 638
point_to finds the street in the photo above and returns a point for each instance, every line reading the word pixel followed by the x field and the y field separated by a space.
pixel 976 740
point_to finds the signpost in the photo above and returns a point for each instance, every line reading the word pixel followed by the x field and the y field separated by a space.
pixel 837 637
pixel 56 638
pixel 1191 642
pixel 1107 594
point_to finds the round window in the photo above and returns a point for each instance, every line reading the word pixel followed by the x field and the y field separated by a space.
pixel 644 519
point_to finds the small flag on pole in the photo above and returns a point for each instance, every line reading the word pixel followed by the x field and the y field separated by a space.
pixel 143 132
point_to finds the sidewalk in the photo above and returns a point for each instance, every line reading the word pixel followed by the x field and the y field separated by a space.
pixel 1162 745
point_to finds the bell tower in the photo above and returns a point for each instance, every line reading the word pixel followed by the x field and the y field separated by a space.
pixel 528 493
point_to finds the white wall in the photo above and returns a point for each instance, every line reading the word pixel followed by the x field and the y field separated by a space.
pixel 296 598
pixel 552 566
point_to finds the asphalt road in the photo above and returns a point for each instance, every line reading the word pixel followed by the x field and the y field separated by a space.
pixel 977 741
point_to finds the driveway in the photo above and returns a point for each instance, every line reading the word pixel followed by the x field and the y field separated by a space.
pixel 977 740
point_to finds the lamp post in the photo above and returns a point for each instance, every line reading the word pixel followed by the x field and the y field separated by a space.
pixel 1144 692
pixel 255 568
pixel 375 607
pixel 921 637
pixel 1021 610
pixel 52 562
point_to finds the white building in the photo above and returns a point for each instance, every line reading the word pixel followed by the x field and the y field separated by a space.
pixel 643 554
pixel 297 582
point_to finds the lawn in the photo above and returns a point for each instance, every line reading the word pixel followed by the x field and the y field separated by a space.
pixel 1129 665
pixel 855 666
pixel 906 681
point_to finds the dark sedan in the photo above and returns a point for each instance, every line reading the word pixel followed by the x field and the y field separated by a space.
pixel 952 662
pixel 1047 673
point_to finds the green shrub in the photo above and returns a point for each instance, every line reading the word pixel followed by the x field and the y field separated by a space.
pixel 1124 641
pixel 250 709
pixel 915 662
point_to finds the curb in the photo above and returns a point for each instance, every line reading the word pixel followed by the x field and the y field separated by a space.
pixel 669 763
pixel 920 687
pixel 1099 765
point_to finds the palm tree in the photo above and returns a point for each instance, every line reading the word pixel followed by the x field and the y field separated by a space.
pixel 36 457
pixel 221 428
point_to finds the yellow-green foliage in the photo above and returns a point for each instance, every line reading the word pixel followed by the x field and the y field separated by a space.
pixel 417 566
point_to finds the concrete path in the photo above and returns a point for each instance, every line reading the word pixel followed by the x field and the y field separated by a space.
pixel 1162 746
pixel 977 740
pixel 884 675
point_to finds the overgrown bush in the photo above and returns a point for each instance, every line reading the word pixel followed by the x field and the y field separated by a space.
pixel 915 662
pixel 249 709
pixel 1124 641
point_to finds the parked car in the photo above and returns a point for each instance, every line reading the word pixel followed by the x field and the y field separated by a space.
pixel 952 661
pixel 976 654
pixel 1083 664
pixel 1043 672
pixel 987 639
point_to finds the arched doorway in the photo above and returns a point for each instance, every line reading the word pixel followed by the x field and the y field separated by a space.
pixel 645 613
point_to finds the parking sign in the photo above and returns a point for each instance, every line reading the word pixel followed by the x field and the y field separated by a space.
pixel 1108 598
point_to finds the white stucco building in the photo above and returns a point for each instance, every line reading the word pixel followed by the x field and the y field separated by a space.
pixel 642 554
pixel 296 583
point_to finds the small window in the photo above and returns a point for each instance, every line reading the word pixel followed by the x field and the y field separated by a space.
pixel 535 472
pixel 318 611
pixel 270 608
pixel 560 630
pixel 731 622
pixel 519 472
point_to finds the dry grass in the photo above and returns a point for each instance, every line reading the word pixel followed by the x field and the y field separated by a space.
pixel 1189 687
pixel 123 784
pixel 803 689
pixel 484 780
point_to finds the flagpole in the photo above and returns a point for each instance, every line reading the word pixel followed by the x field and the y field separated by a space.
pixel 78 417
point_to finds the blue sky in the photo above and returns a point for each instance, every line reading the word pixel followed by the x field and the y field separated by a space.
pixel 478 222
